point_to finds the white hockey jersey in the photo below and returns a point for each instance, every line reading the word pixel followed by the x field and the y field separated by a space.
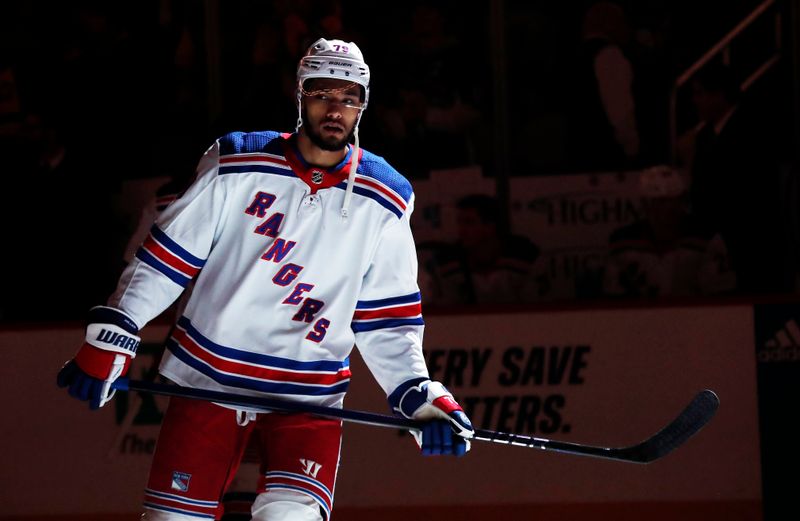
pixel 284 286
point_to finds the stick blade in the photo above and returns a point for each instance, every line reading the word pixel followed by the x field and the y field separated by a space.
pixel 688 423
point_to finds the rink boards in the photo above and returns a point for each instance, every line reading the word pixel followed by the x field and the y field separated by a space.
pixel 603 377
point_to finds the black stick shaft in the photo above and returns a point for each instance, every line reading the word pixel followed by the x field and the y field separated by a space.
pixel 691 420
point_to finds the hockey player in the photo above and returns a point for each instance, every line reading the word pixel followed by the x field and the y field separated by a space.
pixel 298 246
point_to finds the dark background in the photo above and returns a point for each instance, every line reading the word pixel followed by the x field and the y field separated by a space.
pixel 95 93
pixel 139 89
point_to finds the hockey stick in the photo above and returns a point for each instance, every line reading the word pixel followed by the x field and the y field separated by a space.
pixel 693 418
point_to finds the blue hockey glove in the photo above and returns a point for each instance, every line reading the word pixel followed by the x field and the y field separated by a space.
pixel 110 345
pixel 447 429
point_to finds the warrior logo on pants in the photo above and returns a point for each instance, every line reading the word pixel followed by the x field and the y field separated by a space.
pixel 310 468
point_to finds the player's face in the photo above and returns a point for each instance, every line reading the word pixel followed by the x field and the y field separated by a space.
pixel 330 111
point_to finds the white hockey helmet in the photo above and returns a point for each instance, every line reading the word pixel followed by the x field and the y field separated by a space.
pixel 334 59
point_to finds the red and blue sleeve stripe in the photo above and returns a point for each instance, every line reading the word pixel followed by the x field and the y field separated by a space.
pixel 166 256
pixel 387 313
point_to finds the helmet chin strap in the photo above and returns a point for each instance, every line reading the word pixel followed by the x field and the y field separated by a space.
pixel 299 122
pixel 351 177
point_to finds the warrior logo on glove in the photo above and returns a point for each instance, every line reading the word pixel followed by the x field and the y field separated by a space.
pixel 110 345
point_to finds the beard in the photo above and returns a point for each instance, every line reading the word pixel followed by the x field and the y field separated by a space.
pixel 330 144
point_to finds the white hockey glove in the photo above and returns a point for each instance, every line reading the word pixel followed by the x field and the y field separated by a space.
pixel 110 345
pixel 447 430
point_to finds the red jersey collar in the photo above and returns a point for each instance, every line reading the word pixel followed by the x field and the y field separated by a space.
pixel 316 177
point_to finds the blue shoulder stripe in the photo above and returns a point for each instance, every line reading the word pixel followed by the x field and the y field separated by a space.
pixel 245 142
pixel 377 168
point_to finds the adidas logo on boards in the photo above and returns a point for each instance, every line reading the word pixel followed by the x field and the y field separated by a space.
pixel 784 346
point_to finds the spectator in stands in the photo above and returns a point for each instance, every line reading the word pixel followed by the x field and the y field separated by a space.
pixel 667 252
pixel 603 132
pixel 483 266
pixel 736 180
pixel 435 119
